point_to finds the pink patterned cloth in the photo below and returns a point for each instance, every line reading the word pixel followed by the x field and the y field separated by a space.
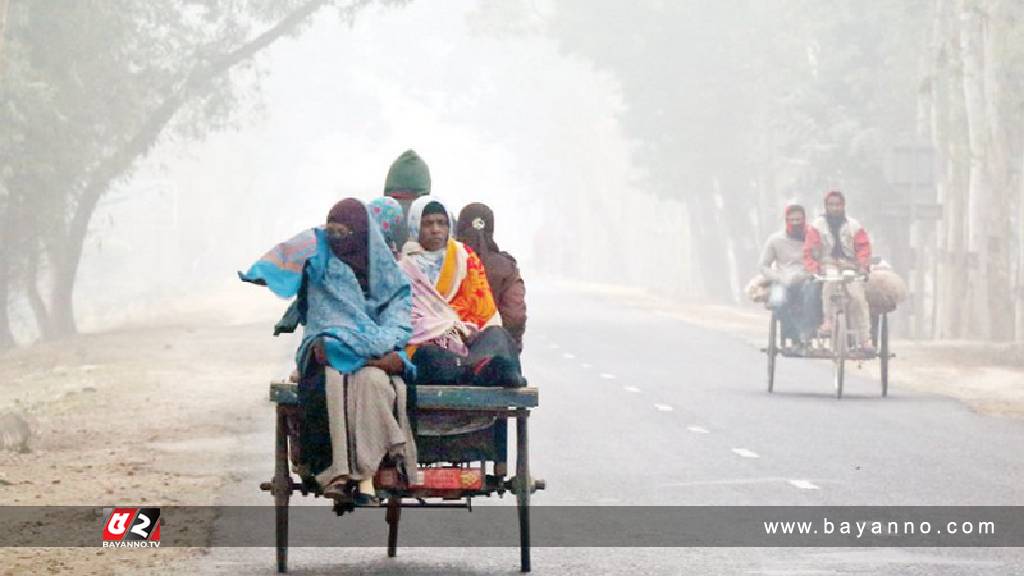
pixel 433 320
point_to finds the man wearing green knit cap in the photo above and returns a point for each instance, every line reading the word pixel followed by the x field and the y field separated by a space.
pixel 408 179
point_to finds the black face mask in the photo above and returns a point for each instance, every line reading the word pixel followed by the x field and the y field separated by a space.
pixel 353 251
pixel 343 246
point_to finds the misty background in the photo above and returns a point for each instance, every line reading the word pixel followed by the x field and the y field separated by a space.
pixel 148 150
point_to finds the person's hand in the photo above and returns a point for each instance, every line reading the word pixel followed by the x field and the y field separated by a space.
pixel 390 363
pixel 467 331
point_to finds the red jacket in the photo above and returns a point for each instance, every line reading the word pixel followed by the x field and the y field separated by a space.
pixel 819 244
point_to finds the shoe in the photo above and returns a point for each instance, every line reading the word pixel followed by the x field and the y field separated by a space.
pixel 497 371
pixel 338 489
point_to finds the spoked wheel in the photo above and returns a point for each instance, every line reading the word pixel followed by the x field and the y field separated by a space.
pixel 773 349
pixel 883 352
pixel 839 351
pixel 282 489
pixel 523 487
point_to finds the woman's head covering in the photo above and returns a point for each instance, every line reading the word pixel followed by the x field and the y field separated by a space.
pixel 387 214
pixel 352 249
pixel 476 228
pixel 423 206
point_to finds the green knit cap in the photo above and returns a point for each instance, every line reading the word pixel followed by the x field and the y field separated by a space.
pixel 408 173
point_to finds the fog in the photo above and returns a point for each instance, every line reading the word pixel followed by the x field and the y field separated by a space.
pixel 651 144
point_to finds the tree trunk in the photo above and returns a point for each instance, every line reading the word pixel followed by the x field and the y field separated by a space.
pixel 998 228
pixel 113 167
pixel 939 87
pixel 981 187
pixel 35 299
pixel 6 335
pixel 3 32
pixel 6 268
pixel 1019 284
pixel 953 160
pixel 710 251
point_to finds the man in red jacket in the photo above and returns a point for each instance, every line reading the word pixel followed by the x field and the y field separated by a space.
pixel 836 240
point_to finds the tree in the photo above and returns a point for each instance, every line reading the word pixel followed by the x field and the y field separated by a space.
pixel 98 85
pixel 741 104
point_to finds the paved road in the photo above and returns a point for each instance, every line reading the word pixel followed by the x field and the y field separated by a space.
pixel 641 409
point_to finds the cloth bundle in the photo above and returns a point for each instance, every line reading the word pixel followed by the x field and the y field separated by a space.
pixel 885 290
pixel 757 288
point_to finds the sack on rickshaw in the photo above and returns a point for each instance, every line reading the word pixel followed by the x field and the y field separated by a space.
pixel 758 287
pixel 884 290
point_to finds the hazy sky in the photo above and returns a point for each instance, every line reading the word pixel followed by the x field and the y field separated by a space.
pixel 500 117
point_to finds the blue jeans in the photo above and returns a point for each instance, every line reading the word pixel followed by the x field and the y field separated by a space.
pixel 798 306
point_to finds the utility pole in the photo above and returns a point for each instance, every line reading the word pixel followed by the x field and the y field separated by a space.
pixel 913 213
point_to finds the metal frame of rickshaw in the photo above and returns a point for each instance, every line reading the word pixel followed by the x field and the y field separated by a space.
pixel 505 404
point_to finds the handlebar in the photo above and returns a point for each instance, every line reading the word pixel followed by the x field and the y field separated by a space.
pixel 846 276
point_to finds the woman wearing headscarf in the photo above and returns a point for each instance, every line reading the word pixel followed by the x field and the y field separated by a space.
pixel 476 230
pixel 387 214
pixel 457 336
pixel 356 312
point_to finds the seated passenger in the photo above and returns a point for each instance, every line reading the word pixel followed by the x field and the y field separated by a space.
pixel 476 231
pixel 408 179
pixel 457 337
pixel 387 214
pixel 356 313
pixel 782 262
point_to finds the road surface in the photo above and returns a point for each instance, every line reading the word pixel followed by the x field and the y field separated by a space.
pixel 641 409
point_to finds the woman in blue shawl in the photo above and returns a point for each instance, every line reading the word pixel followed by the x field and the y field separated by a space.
pixel 356 307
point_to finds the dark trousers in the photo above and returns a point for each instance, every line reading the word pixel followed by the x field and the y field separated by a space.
pixel 800 310
pixel 493 361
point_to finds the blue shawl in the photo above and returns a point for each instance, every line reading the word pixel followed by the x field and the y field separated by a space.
pixel 354 327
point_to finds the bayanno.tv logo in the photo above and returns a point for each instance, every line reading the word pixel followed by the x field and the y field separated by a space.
pixel 131 527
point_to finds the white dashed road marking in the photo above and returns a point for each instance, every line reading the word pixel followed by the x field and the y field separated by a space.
pixel 744 453
pixel 804 485
pixel 553 346
pixel 632 389
pixel 608 376
pixel 586 366
pixel 663 407
pixel 568 356
pixel 698 429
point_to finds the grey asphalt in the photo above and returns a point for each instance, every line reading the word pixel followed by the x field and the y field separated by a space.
pixel 641 409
